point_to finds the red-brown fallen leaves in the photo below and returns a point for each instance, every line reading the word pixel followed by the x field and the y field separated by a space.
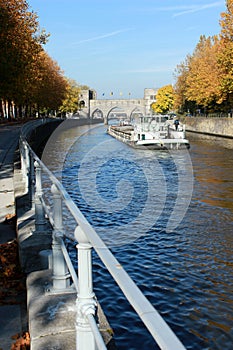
pixel 12 280
pixel 12 284
pixel 10 218
pixel 22 341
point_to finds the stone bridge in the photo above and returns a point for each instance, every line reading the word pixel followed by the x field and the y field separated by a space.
pixel 105 108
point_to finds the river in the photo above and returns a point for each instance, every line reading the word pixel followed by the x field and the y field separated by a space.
pixel 167 217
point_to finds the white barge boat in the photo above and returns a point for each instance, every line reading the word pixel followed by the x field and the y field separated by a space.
pixel 153 132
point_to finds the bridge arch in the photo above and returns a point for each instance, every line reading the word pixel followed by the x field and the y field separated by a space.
pixel 94 106
pixel 118 110
pixel 126 106
pixel 97 114
pixel 136 110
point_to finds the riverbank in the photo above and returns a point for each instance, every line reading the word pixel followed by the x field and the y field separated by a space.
pixel 221 127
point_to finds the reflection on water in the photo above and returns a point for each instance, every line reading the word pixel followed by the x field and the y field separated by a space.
pixel 214 171
pixel 185 273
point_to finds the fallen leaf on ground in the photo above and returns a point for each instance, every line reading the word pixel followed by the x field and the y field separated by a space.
pixel 22 342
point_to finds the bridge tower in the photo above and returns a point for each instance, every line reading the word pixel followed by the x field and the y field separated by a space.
pixel 149 98
pixel 85 96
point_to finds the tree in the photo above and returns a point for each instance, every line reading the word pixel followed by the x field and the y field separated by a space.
pixel 203 80
pixel 225 55
pixel 226 22
pixel 30 80
pixel 51 85
pixel 70 103
pixel 181 73
pixel 164 100
pixel 199 78
pixel 28 76
pixel 18 44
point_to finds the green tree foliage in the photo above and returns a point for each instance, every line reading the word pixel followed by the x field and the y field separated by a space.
pixel 164 100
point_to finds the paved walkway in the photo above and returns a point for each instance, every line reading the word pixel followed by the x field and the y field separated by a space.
pixel 9 136
pixel 10 315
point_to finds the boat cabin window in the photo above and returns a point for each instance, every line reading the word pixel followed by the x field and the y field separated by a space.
pixel 139 136
pixel 161 119
pixel 143 137
pixel 144 119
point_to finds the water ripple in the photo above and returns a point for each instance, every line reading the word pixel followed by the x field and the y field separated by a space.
pixel 187 273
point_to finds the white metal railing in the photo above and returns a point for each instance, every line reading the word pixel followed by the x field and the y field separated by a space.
pixel 87 332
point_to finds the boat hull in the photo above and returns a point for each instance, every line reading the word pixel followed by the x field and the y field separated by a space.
pixel 125 135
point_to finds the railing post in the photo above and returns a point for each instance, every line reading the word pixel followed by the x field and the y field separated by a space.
pixel 39 210
pixel 27 166
pixel 86 303
pixel 61 276
pixel 23 160
pixel 31 186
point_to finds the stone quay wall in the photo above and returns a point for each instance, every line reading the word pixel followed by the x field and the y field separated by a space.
pixel 222 127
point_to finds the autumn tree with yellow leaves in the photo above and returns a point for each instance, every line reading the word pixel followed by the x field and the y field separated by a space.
pixel 205 79
pixel 51 86
pixel 19 47
pixel 70 103
pixel 225 56
pixel 30 81
pixel 164 100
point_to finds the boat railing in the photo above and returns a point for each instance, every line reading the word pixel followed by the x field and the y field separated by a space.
pixel 88 335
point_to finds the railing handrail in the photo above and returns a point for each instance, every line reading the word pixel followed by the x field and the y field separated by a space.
pixel 156 325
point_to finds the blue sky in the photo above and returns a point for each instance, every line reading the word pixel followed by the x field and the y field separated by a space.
pixel 124 46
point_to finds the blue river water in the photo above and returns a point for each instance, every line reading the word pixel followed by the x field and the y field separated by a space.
pixel 167 218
